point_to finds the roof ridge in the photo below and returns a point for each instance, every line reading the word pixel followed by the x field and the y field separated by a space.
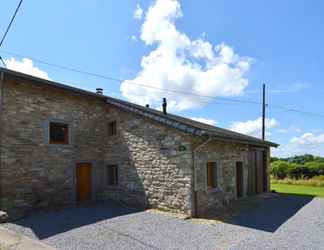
pixel 180 122
pixel 176 118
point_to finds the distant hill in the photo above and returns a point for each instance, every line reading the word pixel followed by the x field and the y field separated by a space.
pixel 300 159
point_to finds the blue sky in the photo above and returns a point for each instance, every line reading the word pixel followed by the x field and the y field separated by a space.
pixel 222 48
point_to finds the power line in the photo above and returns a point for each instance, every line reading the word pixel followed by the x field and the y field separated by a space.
pixel 162 89
pixel 11 21
pixel 296 110
pixel 3 62
pixel 128 82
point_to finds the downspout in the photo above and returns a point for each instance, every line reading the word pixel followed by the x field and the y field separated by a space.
pixel 1 110
pixel 194 166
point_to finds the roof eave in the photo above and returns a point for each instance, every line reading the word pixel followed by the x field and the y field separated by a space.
pixel 242 141
pixel 49 83
pixel 146 113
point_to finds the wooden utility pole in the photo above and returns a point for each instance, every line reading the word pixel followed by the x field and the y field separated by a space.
pixel 263 111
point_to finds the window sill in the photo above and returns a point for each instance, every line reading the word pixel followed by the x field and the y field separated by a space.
pixel 57 145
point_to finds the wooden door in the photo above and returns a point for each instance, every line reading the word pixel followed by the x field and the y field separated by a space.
pixel 83 181
pixel 265 172
pixel 252 173
pixel 257 175
pixel 260 171
pixel 239 179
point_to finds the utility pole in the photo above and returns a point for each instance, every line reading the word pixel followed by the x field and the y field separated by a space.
pixel 263 111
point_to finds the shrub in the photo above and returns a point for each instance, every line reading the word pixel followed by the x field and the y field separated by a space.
pixel 279 169
pixel 299 172
pixel 317 181
pixel 319 159
pixel 319 178
pixel 298 167
pixel 317 168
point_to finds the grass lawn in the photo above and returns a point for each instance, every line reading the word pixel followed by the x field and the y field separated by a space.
pixel 298 189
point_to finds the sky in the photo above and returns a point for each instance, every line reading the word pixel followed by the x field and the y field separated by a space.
pixel 186 51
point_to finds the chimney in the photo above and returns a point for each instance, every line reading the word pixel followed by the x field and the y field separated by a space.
pixel 147 105
pixel 164 105
pixel 99 91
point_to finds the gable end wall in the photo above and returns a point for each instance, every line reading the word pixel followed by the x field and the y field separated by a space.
pixel 155 162
pixel 34 172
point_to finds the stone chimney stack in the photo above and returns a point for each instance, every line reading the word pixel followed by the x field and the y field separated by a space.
pixel 164 106
pixel 99 91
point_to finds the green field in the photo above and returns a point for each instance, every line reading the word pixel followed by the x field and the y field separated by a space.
pixel 298 189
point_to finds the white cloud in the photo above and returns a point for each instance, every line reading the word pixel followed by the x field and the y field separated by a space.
pixel 204 120
pixel 134 38
pixel 308 143
pixel 254 127
pixel 138 13
pixel 182 64
pixel 25 66
pixel 308 139
pixel 290 129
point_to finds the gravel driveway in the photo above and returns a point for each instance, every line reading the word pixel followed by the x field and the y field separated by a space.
pixel 279 223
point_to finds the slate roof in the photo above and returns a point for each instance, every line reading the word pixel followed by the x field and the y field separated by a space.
pixel 178 122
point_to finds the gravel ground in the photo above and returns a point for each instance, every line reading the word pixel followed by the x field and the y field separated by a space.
pixel 278 223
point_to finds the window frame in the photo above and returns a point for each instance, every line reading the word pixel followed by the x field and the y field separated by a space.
pixel 112 131
pixel 212 175
pixel 66 134
pixel 116 175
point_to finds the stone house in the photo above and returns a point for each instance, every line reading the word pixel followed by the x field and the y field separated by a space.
pixel 60 145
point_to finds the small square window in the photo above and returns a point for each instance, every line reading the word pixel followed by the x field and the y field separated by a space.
pixel 112 175
pixel 112 128
pixel 58 133
pixel 211 175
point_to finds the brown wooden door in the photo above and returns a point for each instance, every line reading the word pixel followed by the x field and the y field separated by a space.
pixel 83 181
pixel 239 179
pixel 252 173
pixel 260 171
pixel 257 175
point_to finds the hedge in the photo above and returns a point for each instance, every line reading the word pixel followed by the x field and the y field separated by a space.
pixel 283 169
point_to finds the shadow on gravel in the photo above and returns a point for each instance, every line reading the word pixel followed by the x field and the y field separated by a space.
pixel 48 223
pixel 270 214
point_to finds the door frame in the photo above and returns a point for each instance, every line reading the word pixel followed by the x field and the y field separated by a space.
pixel 73 168
pixel 265 175
pixel 242 179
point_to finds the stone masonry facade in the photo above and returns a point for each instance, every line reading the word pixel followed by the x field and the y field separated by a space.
pixel 155 162
pixel 153 171
pixel 225 155
pixel 33 172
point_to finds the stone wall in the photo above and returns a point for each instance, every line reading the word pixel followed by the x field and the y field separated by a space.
pixel 1 126
pixel 225 155
pixel 34 172
pixel 155 163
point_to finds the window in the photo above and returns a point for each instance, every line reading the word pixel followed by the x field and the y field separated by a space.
pixel 112 128
pixel 112 175
pixel 58 133
pixel 211 175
